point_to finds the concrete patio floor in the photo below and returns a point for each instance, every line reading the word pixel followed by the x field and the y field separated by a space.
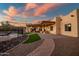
pixel 64 46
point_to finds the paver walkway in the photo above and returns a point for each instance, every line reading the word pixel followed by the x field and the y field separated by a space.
pixel 45 49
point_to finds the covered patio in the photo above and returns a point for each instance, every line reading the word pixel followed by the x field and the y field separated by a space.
pixel 41 27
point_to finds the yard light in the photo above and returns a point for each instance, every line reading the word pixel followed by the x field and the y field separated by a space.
pixel 69 25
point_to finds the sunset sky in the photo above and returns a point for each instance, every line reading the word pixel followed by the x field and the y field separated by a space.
pixel 31 11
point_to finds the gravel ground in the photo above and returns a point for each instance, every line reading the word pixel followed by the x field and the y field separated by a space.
pixel 9 37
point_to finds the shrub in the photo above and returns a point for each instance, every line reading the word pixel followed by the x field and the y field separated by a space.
pixel 33 38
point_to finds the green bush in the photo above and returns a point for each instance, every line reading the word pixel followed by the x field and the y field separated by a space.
pixel 33 38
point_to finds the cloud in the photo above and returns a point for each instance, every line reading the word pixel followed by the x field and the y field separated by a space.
pixel 30 6
pixel 44 8
pixel 8 18
pixel 12 11
pixel 29 10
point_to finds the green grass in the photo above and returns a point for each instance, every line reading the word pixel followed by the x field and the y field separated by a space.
pixel 32 38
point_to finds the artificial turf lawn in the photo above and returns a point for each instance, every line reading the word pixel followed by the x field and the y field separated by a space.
pixel 32 38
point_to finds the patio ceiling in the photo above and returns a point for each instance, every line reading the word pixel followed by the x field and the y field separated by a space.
pixel 43 23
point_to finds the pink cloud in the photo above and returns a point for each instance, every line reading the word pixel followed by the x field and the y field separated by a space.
pixel 12 11
pixel 30 6
pixel 39 10
pixel 44 8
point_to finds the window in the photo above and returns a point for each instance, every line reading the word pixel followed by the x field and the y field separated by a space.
pixel 72 15
pixel 51 28
pixel 68 27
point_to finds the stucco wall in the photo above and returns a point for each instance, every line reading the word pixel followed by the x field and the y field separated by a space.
pixel 73 20
pixel 78 21
pixel 54 29
pixel 54 26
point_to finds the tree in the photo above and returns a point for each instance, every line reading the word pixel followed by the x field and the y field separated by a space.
pixel 5 25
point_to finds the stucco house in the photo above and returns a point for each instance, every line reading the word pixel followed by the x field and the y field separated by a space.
pixel 67 25
pixel 62 25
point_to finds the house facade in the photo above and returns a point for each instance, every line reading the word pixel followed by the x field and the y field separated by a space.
pixel 67 25
pixel 62 25
pixel 70 24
